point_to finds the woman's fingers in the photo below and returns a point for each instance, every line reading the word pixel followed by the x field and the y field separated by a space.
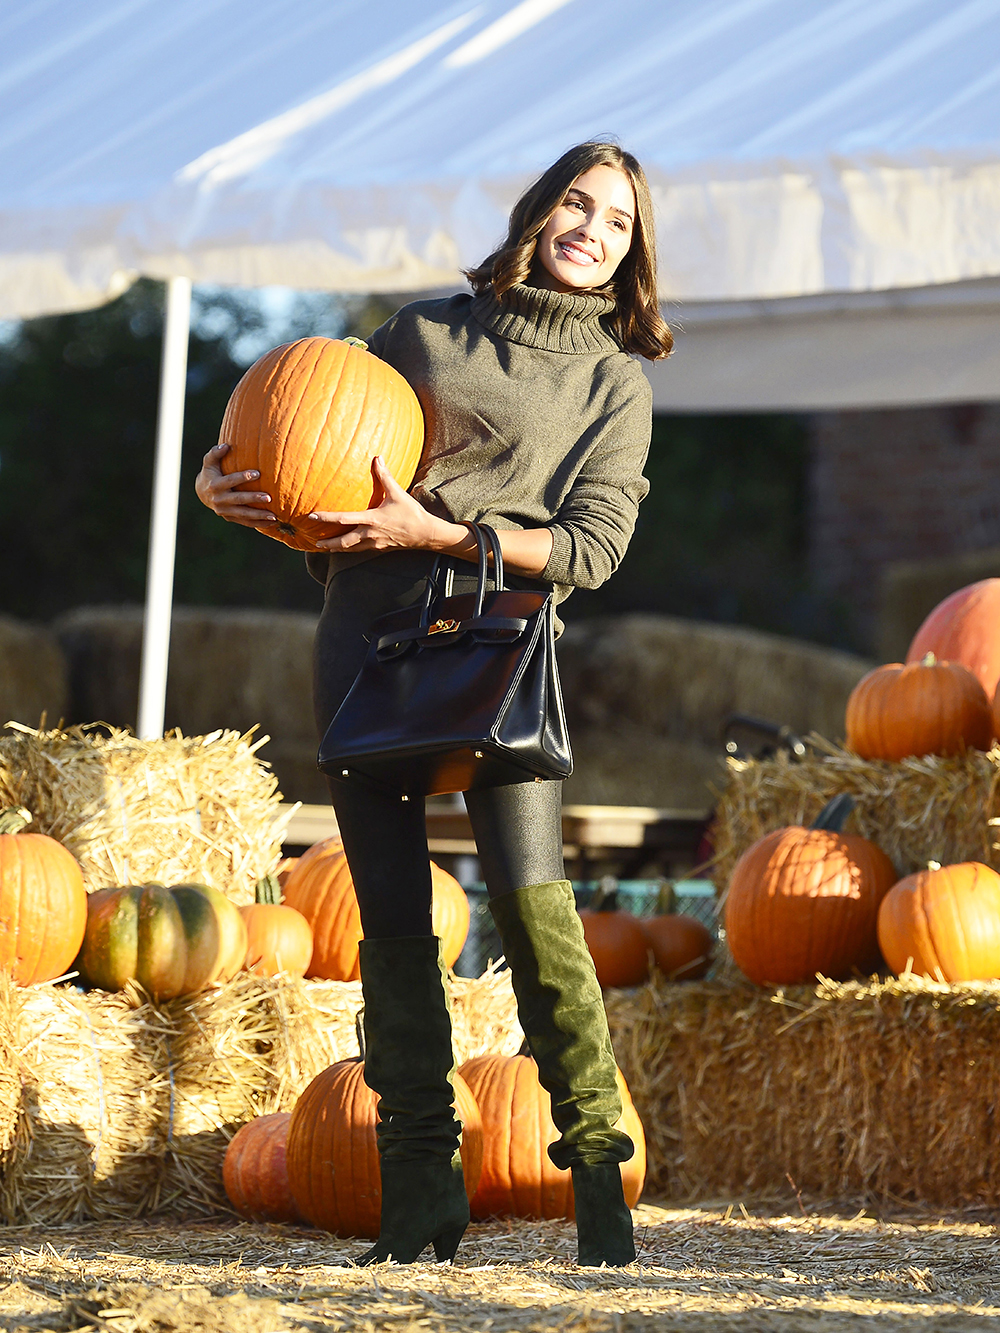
pixel 345 520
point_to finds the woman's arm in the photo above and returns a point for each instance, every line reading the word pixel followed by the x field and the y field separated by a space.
pixel 400 522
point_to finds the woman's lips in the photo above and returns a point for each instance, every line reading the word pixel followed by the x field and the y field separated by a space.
pixel 576 255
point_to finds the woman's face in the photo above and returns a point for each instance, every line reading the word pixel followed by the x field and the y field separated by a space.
pixel 589 234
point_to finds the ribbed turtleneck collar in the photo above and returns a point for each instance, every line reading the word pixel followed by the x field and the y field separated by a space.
pixel 553 321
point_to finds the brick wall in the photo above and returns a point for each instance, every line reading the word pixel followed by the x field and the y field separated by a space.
pixel 901 484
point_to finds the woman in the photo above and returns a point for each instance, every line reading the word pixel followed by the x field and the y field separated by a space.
pixel 537 423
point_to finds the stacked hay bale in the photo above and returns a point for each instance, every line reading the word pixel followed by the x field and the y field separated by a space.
pixel 113 1107
pixel 179 809
pixel 232 668
pixel 861 1092
pixel 648 696
pixel 917 810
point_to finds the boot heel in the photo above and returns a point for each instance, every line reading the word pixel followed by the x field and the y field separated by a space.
pixel 446 1244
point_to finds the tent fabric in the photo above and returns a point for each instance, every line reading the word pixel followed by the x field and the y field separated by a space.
pixel 838 146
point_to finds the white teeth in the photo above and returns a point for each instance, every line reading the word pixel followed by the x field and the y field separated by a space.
pixel 577 255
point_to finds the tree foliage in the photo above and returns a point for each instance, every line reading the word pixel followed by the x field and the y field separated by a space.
pixel 721 536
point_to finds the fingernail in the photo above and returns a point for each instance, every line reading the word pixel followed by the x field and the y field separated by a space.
pixel 252 476
pixel 314 517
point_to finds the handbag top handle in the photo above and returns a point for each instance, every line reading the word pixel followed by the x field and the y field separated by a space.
pixel 484 536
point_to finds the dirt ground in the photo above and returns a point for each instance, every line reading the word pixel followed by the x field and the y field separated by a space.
pixel 700 1270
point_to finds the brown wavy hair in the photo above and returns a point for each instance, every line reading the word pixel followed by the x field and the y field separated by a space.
pixel 636 320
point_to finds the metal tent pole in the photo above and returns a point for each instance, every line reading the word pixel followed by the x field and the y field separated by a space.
pixel 163 528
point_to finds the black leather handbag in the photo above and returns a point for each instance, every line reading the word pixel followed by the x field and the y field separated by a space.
pixel 456 692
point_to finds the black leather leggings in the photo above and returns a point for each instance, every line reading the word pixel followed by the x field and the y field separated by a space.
pixel 518 829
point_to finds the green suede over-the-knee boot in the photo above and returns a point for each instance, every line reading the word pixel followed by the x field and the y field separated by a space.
pixel 561 1009
pixel 410 1064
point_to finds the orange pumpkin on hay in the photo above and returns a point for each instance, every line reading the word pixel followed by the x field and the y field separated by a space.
pixel 805 900
pixel 925 707
pixel 321 888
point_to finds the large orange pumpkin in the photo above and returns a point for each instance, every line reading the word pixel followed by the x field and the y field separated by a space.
pixel 309 417
pixel 320 887
pixel 944 922
pixel 806 900
pixel 254 1171
pixel 616 942
pixel 965 628
pixel 279 939
pixel 518 1177
pixel 925 707
pixel 43 902
pixel 332 1150
pixel 171 941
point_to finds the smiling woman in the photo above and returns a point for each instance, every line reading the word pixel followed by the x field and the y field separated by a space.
pixel 537 424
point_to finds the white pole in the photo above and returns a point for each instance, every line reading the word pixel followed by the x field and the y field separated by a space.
pixel 163 526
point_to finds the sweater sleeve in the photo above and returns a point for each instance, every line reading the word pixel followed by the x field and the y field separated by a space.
pixel 594 524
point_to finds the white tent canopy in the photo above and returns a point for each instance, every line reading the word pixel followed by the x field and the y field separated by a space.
pixel 826 175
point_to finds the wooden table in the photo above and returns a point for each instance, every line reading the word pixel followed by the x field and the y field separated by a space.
pixel 613 838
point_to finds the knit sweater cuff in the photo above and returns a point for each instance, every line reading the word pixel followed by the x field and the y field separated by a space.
pixel 557 566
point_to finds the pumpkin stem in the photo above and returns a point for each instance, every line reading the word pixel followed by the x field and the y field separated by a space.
pixel 834 814
pixel 268 890
pixel 605 896
pixel 359 1032
pixel 356 342
pixel 933 865
pixel 15 819
pixel 928 660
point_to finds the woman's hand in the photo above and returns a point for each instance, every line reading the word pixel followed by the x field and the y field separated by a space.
pixel 218 491
pixel 398 523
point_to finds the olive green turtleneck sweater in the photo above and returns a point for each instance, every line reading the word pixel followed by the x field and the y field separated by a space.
pixel 534 417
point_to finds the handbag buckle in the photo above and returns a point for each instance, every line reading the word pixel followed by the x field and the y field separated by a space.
pixel 442 627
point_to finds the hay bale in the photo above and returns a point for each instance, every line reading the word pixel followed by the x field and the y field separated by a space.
pixel 631 766
pixel 113 1107
pixel 200 808
pixel 879 1091
pixel 33 674
pixel 909 590
pixel 916 810
pixel 229 668
pixel 681 678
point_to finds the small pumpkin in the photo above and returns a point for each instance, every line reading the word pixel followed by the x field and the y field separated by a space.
pixel 321 888
pixel 279 939
pixel 805 900
pixel 518 1177
pixel 43 902
pixel 965 628
pixel 172 941
pixel 681 945
pixel 925 707
pixel 255 1173
pixel 332 1153
pixel 616 941
pixel 944 923
pixel 310 416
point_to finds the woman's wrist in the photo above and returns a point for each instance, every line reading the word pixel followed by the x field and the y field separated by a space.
pixel 450 538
